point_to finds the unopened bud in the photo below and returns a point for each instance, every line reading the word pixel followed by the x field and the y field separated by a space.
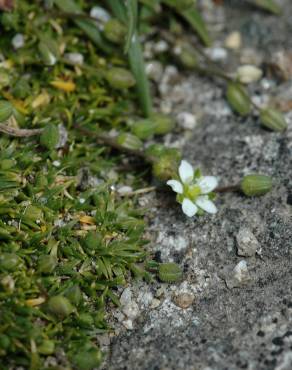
pixel 144 128
pixel 6 110
pixel 114 31
pixel 47 347
pixel 163 123
pixel 47 264
pixel 60 306
pixel 169 272
pixel 165 167
pixel 129 141
pixel 255 185
pixel 74 295
pixel 238 98
pixel 50 136
pixel 120 78
pixel 9 261
pixel 273 119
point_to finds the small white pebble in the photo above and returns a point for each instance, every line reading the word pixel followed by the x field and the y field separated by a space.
pixel 75 58
pixel 233 40
pixel 128 324
pixel 161 46
pixel 186 120
pixel 248 73
pixel 81 200
pixel 217 54
pixel 101 15
pixel 18 41
pixel 154 70
pixel 123 190
pixel 56 163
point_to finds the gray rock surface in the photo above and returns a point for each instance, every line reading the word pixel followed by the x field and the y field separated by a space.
pixel 239 313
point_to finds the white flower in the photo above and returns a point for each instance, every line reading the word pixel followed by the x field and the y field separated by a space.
pixel 193 190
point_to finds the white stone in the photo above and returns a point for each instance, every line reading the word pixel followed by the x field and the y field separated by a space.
pixel 241 273
pixel 233 40
pixel 248 73
pixel 124 190
pixel 101 16
pixel 18 41
pixel 186 120
pixel 247 243
pixel 75 58
pixel 217 53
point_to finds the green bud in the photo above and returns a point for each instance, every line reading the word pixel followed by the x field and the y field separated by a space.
pixel 85 320
pixel 129 141
pixel 9 261
pixel 60 306
pixel 49 51
pixel 4 79
pixel 273 119
pixel 87 360
pixel 50 136
pixel 163 123
pixel 21 89
pixel 169 272
pixel 165 167
pixel 255 185
pixel 144 128
pixel 186 55
pixel 74 295
pixel 92 241
pixel 238 98
pixel 47 264
pixel 6 110
pixel 120 78
pixel 47 347
pixel 155 150
pixel 115 31
pixel 34 213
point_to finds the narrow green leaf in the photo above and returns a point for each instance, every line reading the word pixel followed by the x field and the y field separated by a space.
pixel 268 5
pixel 86 25
pixel 193 17
pixel 132 11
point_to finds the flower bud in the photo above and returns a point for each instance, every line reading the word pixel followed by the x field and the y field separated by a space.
pixel 163 123
pixel 9 261
pixel 115 31
pixel 87 360
pixel 49 51
pixel 120 78
pixel 129 141
pixel 47 347
pixel 47 264
pixel 155 150
pixel 255 185
pixel 169 272
pixel 165 167
pixel 248 73
pixel 6 110
pixel 60 306
pixel 144 128
pixel 50 136
pixel 4 79
pixel 34 213
pixel 85 320
pixel 74 295
pixel 273 119
pixel 238 98
pixel 186 55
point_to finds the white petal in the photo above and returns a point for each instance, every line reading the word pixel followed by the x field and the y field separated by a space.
pixel 189 208
pixel 176 186
pixel 186 172
pixel 207 184
pixel 206 204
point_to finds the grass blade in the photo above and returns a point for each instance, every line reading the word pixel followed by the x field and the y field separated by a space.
pixel 132 11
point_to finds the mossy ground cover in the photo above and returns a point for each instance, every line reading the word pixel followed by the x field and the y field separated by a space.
pixel 74 96
pixel 67 238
